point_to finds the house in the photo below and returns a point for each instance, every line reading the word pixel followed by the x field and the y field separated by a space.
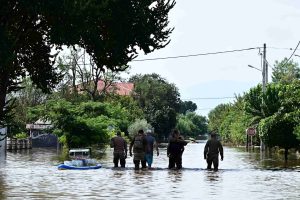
pixel 121 88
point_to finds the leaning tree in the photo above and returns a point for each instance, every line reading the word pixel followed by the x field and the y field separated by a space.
pixel 111 31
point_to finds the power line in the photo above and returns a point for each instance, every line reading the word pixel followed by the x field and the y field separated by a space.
pixel 291 55
pixel 198 54
pixel 207 98
pixel 282 48
pixel 205 108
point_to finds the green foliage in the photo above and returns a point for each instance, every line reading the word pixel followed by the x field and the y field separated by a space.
pixel 85 123
pixel 28 96
pixel 275 113
pixel 187 106
pixel 280 107
pixel 159 100
pixel 230 121
pixel 137 125
pixel 277 131
pixel 111 32
pixel 21 135
pixel 192 124
pixel 285 72
pixel 216 116
pixel 128 103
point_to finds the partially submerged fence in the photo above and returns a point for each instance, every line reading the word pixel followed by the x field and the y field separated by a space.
pixel 16 144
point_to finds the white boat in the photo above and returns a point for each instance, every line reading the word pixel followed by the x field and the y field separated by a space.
pixel 80 160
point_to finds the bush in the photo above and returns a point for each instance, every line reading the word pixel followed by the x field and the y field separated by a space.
pixel 137 125
pixel 21 135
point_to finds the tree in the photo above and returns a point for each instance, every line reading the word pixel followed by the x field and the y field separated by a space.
pixel 216 116
pixel 280 107
pixel 137 125
pixel 29 96
pixel 285 71
pixel 159 100
pixel 128 103
pixel 192 124
pixel 187 106
pixel 111 32
pixel 82 124
pixel 81 72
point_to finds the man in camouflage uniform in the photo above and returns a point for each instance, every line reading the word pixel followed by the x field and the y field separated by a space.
pixel 211 152
pixel 139 145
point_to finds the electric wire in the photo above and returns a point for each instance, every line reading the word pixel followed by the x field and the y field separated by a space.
pixel 194 55
pixel 206 98
pixel 291 55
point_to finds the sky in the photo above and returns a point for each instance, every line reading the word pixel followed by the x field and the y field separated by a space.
pixel 203 26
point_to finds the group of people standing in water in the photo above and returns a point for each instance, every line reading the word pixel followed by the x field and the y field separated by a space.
pixel 142 147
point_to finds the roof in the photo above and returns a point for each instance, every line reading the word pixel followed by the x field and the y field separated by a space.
pixel 120 88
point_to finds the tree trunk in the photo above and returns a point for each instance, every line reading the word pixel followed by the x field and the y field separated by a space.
pixel 3 91
pixel 286 152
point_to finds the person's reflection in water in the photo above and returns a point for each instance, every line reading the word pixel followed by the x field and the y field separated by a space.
pixel 118 174
pixel 214 182
pixel 175 175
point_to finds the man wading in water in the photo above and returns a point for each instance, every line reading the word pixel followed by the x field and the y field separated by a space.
pixel 120 149
pixel 211 152
pixel 139 148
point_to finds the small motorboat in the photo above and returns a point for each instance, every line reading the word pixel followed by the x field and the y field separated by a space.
pixel 80 160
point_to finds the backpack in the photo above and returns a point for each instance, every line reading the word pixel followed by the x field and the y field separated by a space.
pixel 138 144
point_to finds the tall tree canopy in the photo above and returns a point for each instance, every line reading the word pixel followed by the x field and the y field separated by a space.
pixel 159 100
pixel 111 31
pixel 187 106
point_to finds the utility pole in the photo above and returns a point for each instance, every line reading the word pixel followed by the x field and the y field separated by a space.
pixel 264 70
pixel 264 83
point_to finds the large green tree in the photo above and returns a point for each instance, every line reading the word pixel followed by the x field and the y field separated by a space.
pixel 111 32
pixel 285 71
pixel 279 115
pixel 192 124
pixel 159 100
pixel 187 106
pixel 216 116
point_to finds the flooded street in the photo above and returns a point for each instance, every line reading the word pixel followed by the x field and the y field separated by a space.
pixel 33 174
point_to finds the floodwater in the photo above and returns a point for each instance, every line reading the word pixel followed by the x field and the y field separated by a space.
pixel 33 174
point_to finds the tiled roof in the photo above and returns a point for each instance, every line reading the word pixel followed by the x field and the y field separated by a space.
pixel 117 88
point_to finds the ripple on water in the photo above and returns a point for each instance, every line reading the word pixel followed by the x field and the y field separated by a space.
pixel 242 175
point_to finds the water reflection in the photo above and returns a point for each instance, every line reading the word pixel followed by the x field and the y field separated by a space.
pixel 33 174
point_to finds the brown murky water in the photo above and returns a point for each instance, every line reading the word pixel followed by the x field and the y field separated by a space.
pixel 33 174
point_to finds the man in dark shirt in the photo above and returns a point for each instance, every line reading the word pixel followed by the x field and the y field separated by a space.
pixel 120 149
pixel 175 149
pixel 211 152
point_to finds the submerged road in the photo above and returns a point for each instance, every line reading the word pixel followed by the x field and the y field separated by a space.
pixel 33 174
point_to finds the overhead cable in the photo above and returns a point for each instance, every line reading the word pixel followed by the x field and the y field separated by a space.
pixel 291 55
pixel 207 98
pixel 194 55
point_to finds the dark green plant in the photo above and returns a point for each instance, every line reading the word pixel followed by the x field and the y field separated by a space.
pixel 111 32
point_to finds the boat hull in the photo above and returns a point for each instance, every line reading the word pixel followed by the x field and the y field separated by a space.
pixel 63 166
